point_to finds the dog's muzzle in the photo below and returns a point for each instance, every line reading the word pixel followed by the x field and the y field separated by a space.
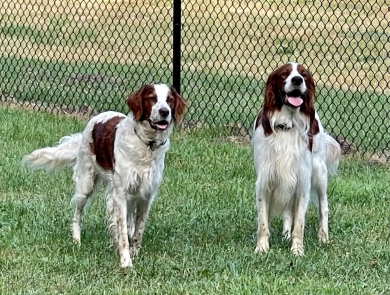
pixel 159 125
pixel 294 98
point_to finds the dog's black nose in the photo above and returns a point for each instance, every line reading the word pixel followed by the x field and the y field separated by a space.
pixel 297 80
pixel 164 112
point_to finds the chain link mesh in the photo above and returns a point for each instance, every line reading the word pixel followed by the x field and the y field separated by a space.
pixel 84 57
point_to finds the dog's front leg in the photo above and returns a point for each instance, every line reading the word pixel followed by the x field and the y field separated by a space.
pixel 120 212
pixel 323 231
pixel 142 213
pixel 302 200
pixel 262 244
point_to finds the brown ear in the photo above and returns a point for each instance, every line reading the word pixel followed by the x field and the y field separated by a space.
pixel 269 106
pixel 269 95
pixel 134 102
pixel 179 106
pixel 308 106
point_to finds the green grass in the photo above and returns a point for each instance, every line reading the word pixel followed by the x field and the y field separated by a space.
pixel 201 232
pixel 52 34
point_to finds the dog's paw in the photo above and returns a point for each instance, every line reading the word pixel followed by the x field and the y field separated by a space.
pixel 77 242
pixel 297 248
pixel 76 235
pixel 286 236
pixel 134 251
pixel 262 246
pixel 76 239
pixel 126 260
pixel 323 236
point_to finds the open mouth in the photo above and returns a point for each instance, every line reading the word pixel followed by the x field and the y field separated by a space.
pixel 160 125
pixel 294 99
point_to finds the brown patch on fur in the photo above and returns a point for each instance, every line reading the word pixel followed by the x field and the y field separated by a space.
pixel 272 97
pixel 307 107
pixel 103 136
pixel 273 101
pixel 259 118
pixel 141 102
pixel 309 96
pixel 263 119
pixel 177 105
pixel 274 88
pixel 314 129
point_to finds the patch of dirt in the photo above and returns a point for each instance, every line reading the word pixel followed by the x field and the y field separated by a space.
pixel 80 112
pixel 240 140
pixel 192 125
pixel 236 129
pixel 347 147
pixel 377 159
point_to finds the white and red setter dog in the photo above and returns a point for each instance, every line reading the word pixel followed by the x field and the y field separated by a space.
pixel 126 153
pixel 292 157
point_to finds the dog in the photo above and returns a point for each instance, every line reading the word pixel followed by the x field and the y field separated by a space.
pixel 292 157
pixel 126 153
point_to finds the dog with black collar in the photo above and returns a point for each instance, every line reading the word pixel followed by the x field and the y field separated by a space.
pixel 126 152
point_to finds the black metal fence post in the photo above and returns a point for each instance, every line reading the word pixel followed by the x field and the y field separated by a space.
pixel 176 44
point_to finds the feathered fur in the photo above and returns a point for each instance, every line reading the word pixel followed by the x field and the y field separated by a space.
pixel 125 152
pixel 292 157
pixel 50 158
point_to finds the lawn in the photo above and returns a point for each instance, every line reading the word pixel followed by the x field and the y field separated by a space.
pixel 201 233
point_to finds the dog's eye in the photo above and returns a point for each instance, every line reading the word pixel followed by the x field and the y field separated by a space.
pixel 169 99
pixel 152 98
pixel 283 75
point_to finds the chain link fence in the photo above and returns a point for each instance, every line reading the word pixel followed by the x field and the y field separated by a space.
pixel 85 57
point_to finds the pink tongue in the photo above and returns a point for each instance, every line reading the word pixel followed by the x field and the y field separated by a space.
pixel 162 126
pixel 295 101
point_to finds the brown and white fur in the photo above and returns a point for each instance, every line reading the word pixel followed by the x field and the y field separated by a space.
pixel 292 157
pixel 126 153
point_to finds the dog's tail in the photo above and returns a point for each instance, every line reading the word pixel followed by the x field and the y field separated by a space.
pixel 333 154
pixel 51 158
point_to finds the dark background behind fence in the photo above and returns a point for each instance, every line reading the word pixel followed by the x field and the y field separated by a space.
pixel 87 56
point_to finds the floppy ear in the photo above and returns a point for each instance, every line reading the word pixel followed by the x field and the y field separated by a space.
pixel 269 106
pixel 308 102
pixel 269 95
pixel 134 102
pixel 179 106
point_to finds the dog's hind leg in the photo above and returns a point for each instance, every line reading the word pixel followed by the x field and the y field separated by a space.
pixel 131 212
pixel 323 209
pixel 319 186
pixel 117 214
pixel 85 180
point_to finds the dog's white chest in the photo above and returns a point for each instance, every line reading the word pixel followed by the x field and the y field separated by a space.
pixel 143 173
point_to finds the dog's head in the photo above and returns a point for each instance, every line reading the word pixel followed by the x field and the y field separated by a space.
pixel 291 85
pixel 158 104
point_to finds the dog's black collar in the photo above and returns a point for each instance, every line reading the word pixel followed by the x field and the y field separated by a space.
pixel 151 144
pixel 284 127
